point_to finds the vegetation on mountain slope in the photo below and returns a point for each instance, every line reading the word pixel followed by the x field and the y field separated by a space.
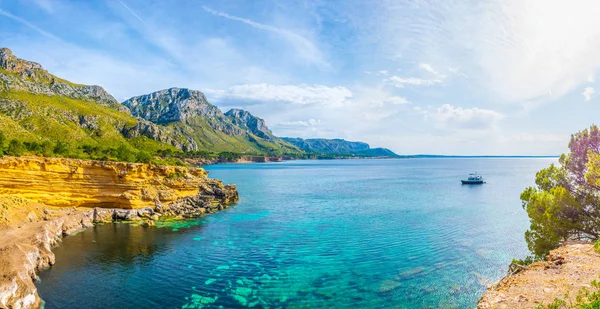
pixel 41 114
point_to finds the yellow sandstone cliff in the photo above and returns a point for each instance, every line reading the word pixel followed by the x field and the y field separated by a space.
pixel 75 183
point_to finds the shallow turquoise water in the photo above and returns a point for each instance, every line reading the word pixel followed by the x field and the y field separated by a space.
pixel 313 234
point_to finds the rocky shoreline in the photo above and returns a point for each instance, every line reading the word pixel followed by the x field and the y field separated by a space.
pixel 567 271
pixel 25 250
pixel 29 228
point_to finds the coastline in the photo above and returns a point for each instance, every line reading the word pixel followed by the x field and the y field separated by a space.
pixel 565 273
pixel 270 159
pixel 30 228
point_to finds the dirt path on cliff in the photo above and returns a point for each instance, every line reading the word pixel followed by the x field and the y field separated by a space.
pixel 568 270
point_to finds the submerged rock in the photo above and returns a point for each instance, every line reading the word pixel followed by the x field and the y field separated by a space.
pixel 388 285
pixel 410 273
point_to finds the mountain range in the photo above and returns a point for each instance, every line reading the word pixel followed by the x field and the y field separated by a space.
pixel 38 108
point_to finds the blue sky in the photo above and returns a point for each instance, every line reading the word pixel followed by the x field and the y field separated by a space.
pixel 447 77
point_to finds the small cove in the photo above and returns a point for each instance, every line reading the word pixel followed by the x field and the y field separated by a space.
pixel 313 234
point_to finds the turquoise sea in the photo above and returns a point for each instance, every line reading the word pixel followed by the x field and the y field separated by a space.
pixel 313 234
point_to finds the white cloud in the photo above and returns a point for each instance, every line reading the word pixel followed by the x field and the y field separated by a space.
pixel 400 82
pixel 516 50
pixel 383 72
pixel 304 47
pixel 296 94
pixel 452 117
pixel 587 93
pixel 538 138
pixel 299 123
pixel 427 67
pixel 591 79
pixel 396 100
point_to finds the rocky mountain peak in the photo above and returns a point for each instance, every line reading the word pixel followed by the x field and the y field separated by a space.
pixel 11 63
pixel 251 123
pixel 172 105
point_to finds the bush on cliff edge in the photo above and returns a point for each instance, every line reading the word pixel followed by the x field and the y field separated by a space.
pixel 564 204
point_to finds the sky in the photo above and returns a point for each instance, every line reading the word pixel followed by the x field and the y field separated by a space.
pixel 454 77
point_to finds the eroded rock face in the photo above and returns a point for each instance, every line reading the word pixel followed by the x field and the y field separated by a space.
pixel 23 75
pixel 26 250
pixel 253 124
pixel 158 133
pixel 567 270
pixel 74 183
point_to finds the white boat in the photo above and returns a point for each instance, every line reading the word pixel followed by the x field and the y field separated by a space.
pixel 473 179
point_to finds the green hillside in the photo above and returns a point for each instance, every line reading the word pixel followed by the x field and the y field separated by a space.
pixel 81 121
pixel 37 108
pixel 41 114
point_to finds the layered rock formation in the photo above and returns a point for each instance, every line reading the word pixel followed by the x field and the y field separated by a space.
pixel 38 197
pixel 567 270
pixel 74 183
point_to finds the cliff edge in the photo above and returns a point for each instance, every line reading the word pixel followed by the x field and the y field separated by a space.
pixel 567 270
pixel 85 183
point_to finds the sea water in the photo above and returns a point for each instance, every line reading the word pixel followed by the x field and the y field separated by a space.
pixel 396 233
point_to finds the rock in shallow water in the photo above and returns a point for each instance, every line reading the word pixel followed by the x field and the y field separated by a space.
pixel 388 285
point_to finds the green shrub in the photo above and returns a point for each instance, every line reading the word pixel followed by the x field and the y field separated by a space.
pixel 524 262
pixel 34 147
pixel 176 175
pixel 16 148
pixel 46 148
pixel 61 148
pixel 2 140
pixel 585 299
pixel 597 246
pixel 143 157
pixel 125 154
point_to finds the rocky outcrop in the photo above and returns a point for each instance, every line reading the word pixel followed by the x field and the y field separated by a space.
pixel 159 133
pixel 26 250
pixel 195 124
pixel 252 124
pixel 180 105
pixel 567 270
pixel 22 75
pixel 74 183
pixel 39 196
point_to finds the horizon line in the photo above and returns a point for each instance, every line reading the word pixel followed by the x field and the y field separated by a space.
pixel 474 156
